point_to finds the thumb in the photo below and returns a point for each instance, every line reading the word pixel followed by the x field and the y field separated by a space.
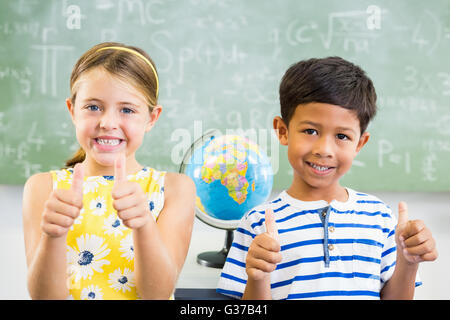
pixel 120 170
pixel 271 225
pixel 402 220
pixel 77 179
pixel 402 213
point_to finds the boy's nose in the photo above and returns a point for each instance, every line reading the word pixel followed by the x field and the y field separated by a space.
pixel 323 147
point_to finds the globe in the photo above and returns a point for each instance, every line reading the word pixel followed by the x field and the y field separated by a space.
pixel 232 174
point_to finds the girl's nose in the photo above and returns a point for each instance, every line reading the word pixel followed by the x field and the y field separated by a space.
pixel 109 120
pixel 323 147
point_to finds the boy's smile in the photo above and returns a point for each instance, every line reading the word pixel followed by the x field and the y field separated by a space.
pixel 322 140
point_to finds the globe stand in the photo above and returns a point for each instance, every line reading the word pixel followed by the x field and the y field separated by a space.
pixel 216 259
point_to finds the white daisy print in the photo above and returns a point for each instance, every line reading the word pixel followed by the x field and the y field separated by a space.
pixel 98 206
pixel 92 183
pixel 88 257
pixel 113 225
pixel 61 175
pixel 126 247
pixel 92 292
pixel 78 220
pixel 144 173
pixel 121 281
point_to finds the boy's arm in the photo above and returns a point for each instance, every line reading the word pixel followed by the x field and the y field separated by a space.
pixel 257 289
pixel 402 283
pixel 415 244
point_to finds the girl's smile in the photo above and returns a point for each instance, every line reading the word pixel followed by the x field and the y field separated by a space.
pixel 108 143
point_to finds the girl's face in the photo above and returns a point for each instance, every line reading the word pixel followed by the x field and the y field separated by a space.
pixel 110 117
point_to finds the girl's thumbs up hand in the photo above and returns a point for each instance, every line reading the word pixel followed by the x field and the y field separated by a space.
pixel 128 197
pixel 264 251
pixel 63 206
pixel 414 240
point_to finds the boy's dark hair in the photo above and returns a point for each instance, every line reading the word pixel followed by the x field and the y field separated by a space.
pixel 331 80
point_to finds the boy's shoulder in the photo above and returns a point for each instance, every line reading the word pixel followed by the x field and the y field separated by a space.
pixel 366 199
pixel 370 206
pixel 260 209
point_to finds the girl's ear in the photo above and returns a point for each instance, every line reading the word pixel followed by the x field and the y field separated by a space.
pixel 154 115
pixel 281 130
pixel 70 106
pixel 362 141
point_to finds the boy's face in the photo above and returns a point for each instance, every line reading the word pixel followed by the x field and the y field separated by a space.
pixel 322 140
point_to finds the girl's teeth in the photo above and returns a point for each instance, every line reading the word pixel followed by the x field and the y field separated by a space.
pixel 109 142
pixel 319 167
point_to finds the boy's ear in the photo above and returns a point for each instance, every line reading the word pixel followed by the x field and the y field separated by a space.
pixel 281 130
pixel 154 115
pixel 362 141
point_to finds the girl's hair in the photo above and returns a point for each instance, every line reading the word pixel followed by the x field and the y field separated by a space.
pixel 129 63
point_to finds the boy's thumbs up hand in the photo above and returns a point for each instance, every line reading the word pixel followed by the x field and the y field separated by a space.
pixel 271 225
pixel 414 240
pixel 264 251
pixel 128 197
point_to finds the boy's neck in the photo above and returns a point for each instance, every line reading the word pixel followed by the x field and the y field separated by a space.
pixel 307 193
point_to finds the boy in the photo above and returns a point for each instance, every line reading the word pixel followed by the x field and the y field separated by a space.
pixel 319 239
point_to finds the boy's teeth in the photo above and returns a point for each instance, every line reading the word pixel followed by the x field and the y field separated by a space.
pixel 109 142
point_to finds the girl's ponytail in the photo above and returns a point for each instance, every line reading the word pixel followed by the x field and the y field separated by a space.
pixel 78 157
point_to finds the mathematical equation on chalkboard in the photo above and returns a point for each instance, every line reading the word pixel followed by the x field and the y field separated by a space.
pixel 220 63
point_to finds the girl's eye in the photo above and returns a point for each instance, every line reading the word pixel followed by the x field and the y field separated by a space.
pixel 310 132
pixel 127 110
pixel 93 107
pixel 342 136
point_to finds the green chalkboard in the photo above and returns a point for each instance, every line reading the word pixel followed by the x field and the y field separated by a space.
pixel 220 64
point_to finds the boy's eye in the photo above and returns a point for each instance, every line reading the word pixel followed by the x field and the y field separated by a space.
pixel 342 136
pixel 310 131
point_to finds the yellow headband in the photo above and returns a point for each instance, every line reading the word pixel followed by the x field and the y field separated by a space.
pixel 139 55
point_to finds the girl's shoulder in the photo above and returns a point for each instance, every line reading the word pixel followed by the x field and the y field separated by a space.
pixel 41 181
pixel 37 189
pixel 178 184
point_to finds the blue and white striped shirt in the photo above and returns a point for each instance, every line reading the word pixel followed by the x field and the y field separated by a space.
pixel 337 250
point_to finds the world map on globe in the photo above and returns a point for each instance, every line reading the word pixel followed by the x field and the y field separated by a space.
pixel 232 175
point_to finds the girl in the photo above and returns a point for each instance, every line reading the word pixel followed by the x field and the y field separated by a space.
pixel 107 227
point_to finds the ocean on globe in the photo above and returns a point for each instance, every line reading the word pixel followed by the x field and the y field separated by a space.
pixel 232 175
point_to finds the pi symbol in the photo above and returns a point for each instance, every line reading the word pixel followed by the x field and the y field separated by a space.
pixel 374 19
pixel 73 14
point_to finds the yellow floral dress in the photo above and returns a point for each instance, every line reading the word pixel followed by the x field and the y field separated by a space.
pixel 100 256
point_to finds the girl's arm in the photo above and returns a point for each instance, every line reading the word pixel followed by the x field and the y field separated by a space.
pixel 45 255
pixel 161 247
